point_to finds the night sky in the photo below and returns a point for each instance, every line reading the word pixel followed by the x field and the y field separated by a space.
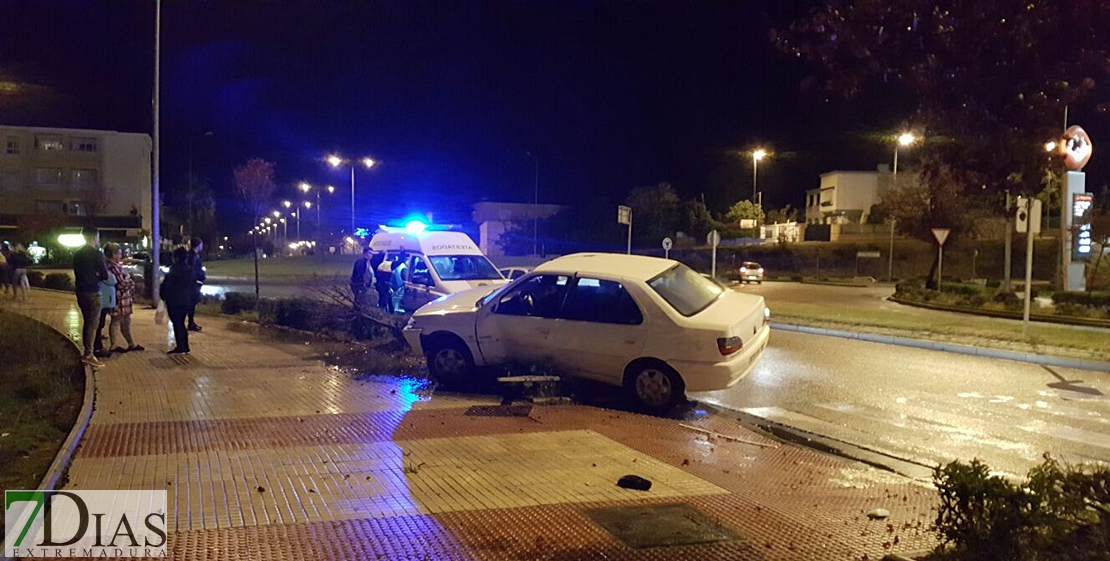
pixel 449 96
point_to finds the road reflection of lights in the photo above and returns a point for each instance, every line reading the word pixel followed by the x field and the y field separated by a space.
pixel 213 290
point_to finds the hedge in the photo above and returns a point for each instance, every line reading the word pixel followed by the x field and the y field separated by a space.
pixel 1099 300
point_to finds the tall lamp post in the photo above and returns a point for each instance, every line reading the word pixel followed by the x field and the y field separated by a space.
pixel 189 188
pixel 337 161
pixel 757 155
pixel 535 205
pixel 904 139
pixel 305 187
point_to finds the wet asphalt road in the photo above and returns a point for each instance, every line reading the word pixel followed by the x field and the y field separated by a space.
pixel 927 406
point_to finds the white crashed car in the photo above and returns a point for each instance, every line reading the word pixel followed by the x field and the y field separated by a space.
pixel 653 326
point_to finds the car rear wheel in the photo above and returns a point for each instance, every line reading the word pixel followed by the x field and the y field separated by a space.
pixel 655 386
pixel 449 360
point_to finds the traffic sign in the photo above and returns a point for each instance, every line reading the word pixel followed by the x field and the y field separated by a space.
pixel 624 214
pixel 713 239
pixel 941 234
pixel 667 243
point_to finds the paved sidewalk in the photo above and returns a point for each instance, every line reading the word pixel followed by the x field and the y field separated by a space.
pixel 268 453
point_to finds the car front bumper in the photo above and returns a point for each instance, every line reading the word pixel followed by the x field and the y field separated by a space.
pixel 747 277
pixel 705 376
pixel 412 337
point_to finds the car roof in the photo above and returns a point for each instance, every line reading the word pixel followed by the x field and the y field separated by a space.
pixel 613 264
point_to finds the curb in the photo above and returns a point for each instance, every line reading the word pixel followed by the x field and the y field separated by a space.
pixel 1033 358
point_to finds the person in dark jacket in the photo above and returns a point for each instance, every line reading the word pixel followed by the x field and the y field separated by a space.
pixel 195 247
pixel 360 280
pixel 177 292
pixel 382 287
pixel 88 270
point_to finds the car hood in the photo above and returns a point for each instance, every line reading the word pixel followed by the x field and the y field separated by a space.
pixel 464 301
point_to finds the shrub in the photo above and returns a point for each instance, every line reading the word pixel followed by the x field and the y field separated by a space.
pixel 962 289
pixel 57 281
pixel 34 278
pixel 1061 512
pixel 1098 300
pixel 309 315
pixel 1008 299
pixel 796 278
pixel 235 302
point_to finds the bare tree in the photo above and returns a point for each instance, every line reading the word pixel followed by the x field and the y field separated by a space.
pixel 254 182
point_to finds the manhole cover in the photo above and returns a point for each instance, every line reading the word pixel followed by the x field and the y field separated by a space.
pixel 660 525
pixel 499 410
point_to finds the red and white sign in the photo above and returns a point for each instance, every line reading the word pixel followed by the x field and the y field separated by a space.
pixel 941 234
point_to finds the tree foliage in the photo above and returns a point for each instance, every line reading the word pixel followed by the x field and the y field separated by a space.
pixel 743 210
pixel 990 79
pixel 782 215
pixel 654 213
pixel 254 182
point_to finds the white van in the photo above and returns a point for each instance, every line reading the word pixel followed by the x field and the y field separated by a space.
pixel 438 264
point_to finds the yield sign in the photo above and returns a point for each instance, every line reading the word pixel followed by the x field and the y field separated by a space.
pixel 941 234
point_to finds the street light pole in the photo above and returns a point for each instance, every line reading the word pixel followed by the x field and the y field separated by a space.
pixel 337 161
pixel 905 139
pixel 535 206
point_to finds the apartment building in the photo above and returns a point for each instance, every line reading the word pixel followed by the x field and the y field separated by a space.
pixel 74 177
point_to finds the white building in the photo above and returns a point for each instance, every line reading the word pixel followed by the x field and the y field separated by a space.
pixel 844 197
pixel 74 177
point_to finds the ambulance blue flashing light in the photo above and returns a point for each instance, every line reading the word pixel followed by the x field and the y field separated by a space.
pixel 416 226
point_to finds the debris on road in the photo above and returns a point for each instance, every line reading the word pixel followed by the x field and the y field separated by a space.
pixel 634 482
pixel 713 434
pixel 878 514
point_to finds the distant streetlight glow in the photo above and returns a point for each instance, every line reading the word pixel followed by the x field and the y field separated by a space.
pixel 308 204
pixel 759 155
pixel 277 214
pixel 305 187
pixel 286 204
pixel 1049 146
pixel 905 139
pixel 71 240
pixel 416 226
pixel 337 161
pixel 331 189
pixel 368 162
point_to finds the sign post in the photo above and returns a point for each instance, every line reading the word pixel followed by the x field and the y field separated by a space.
pixel 1028 221
pixel 624 216
pixel 941 234
pixel 713 239
pixel 667 248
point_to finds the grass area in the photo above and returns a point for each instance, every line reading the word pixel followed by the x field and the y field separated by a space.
pixel 41 392
pixel 288 268
pixel 1045 338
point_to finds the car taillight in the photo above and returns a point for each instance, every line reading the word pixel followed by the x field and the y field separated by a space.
pixel 743 269
pixel 766 315
pixel 760 271
pixel 729 345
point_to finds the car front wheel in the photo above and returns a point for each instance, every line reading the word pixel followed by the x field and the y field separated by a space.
pixel 655 386
pixel 449 360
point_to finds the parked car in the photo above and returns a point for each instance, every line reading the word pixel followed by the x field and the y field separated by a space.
pixel 750 271
pixel 513 273
pixel 653 326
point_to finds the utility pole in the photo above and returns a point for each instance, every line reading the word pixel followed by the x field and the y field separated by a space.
pixel 155 214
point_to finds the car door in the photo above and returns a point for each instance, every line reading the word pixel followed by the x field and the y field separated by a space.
pixel 601 331
pixel 519 324
pixel 418 284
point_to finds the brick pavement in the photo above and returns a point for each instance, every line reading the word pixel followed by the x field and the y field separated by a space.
pixel 268 453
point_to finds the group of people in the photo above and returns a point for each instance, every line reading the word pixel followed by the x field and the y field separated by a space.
pixel 386 274
pixel 13 270
pixel 105 295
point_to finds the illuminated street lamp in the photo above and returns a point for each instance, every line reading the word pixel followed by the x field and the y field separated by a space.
pixel 904 139
pixel 336 161
pixel 757 155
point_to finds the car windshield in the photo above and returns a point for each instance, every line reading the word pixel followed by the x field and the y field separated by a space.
pixel 464 267
pixel 685 290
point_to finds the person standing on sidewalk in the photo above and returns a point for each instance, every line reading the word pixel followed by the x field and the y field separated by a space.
pixel 195 247
pixel 107 303
pixel 5 268
pixel 88 270
pixel 18 262
pixel 121 314
pixel 382 288
pixel 359 278
pixel 177 292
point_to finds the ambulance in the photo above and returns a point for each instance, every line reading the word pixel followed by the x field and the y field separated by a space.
pixel 436 263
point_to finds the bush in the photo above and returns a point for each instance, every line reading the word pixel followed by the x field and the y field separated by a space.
pixel 962 289
pixel 796 278
pixel 1097 300
pixel 235 302
pixel 1008 299
pixel 1061 512
pixel 57 281
pixel 309 315
pixel 34 278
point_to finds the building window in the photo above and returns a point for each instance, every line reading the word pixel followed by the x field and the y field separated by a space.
pixel 82 144
pixel 9 180
pixel 84 177
pixel 11 145
pixel 49 143
pixel 51 176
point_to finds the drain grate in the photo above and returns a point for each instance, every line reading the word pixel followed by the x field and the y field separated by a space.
pixel 665 525
pixel 499 411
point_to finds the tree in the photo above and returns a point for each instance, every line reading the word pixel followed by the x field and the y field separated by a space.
pixel 743 210
pixel 254 182
pixel 695 220
pixel 1100 236
pixel 654 213
pixel 990 78
pixel 782 215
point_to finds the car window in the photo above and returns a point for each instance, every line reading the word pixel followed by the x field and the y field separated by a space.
pixel 539 296
pixel 685 290
pixel 601 301
pixel 751 265
pixel 464 267
pixel 419 271
pixel 517 273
